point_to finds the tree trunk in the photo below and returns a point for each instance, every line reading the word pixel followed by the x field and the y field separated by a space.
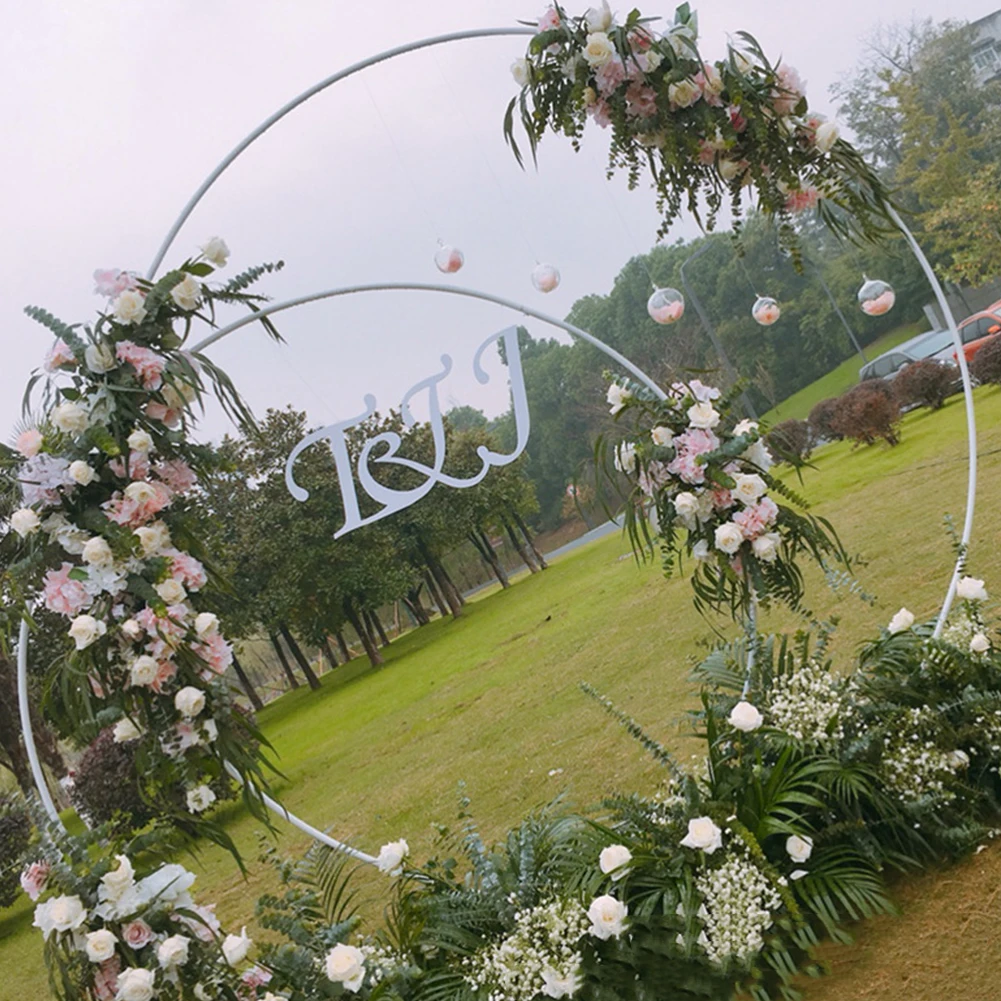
pixel 530 539
pixel 286 666
pixel 383 638
pixel 416 607
pixel 445 586
pixel 342 645
pixel 314 681
pixel 436 597
pixel 245 684
pixel 519 546
pixel 329 653
pixel 456 591
pixel 479 539
pixel 374 657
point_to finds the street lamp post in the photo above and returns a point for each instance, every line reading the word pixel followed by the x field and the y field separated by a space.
pixel 837 309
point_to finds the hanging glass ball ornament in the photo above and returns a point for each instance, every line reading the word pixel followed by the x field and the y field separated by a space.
pixel 666 305
pixel 448 259
pixel 765 310
pixel 545 277
pixel 875 297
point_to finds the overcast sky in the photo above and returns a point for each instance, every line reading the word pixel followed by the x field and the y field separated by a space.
pixel 115 111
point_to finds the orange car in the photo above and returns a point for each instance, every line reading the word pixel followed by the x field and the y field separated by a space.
pixel 975 331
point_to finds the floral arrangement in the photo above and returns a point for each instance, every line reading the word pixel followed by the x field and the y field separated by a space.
pixel 703 130
pixel 107 472
pixel 698 471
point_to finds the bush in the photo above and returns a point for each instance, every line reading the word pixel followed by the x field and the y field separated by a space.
pixel 986 364
pixel 867 413
pixel 15 836
pixel 105 784
pixel 790 441
pixel 821 420
pixel 924 384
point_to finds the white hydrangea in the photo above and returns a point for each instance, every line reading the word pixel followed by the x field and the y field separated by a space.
pixel 739 901
pixel 807 704
pixel 541 955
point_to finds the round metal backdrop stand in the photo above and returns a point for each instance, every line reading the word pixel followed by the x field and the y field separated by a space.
pixel 23 640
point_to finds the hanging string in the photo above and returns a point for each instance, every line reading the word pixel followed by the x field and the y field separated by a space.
pixel 747 275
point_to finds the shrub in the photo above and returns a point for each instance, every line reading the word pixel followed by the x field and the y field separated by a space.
pixel 867 413
pixel 924 384
pixel 821 420
pixel 105 784
pixel 790 441
pixel 15 836
pixel 986 364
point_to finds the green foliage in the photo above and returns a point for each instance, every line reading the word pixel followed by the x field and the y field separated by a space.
pixel 15 837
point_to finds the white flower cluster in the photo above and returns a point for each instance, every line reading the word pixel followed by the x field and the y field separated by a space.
pixel 382 962
pixel 739 900
pixel 989 730
pixel 807 704
pixel 541 955
pixel 666 803
pixel 914 767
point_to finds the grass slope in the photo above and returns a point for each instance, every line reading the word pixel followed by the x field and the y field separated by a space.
pixel 493 699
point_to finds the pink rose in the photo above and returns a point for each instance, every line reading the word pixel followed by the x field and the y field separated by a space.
pixel 216 652
pixel 138 467
pixel 186 570
pixel 160 412
pixel 34 878
pixel 549 20
pixel 149 365
pixel 640 40
pixel 789 91
pixel 29 443
pixel 62 595
pixel 136 934
pixel 111 283
pixel 60 356
pixel 177 474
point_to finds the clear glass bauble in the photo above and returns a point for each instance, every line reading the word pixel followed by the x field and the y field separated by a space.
pixel 545 277
pixel 666 305
pixel 448 259
pixel 876 297
pixel 765 310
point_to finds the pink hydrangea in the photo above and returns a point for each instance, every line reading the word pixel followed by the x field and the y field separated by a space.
pixel 125 510
pixel 802 199
pixel 757 518
pixel 609 76
pixel 216 652
pixel 112 282
pixel 34 878
pixel 696 441
pixel 137 933
pixel 161 412
pixel 599 111
pixel 29 443
pixel 165 632
pixel 185 569
pixel 62 595
pixel 641 101
pixel 549 20
pixel 722 499
pixel 60 356
pixel 177 474
pixel 106 979
pixel 138 467
pixel 148 364
pixel 165 674
pixel 656 476
pixel 256 976
pixel 685 465
pixel 202 921
pixel 789 91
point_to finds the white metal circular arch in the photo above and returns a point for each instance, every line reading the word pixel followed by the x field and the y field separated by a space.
pixel 217 172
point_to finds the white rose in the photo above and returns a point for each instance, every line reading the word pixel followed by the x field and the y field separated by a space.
pixel 741 62
pixel 100 945
pixel 799 849
pixel 172 591
pixel 187 293
pixel 153 538
pixel 959 759
pixel 132 629
pixel 140 441
pixel 827 135
pixel 173 952
pixel 81 473
pixel 60 914
pixel 625 457
pixel 346 965
pixel 135 983
pixel 216 252
pixel 98 553
pixel 686 505
pixel 677 38
pixel 391 856
pixel 614 859
pixel 608 917
pixel 745 717
pixel 598 49
pixel 210 730
pixel 70 418
pixel 206 623
pixel 520 71
pixel 617 396
pixel 902 621
pixel 25 522
pixel 728 538
pixel 199 800
pixel 125 730
pixel 144 670
pixel 683 94
pixel 558 984
pixel 703 415
pixel 85 629
pixel 236 947
pixel 598 18
pixel 100 358
pixel 749 487
pixel 766 547
pixel 759 455
pixel 114 884
pixel 971 589
pixel 129 307
pixel 189 701
pixel 745 427
pixel 140 492
pixel 701 551
pixel 980 643
pixel 662 436
pixel 703 834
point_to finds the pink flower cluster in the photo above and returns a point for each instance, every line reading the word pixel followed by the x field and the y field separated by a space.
pixel 60 356
pixel 186 570
pixel 112 282
pixel 790 90
pixel 165 632
pixel 29 443
pixel 106 979
pixel 148 364
pixel 34 878
pixel 137 468
pixel 62 595
pixel 177 474
pixel 137 510
pixel 802 199
pixel 756 519
pixel 688 447
pixel 41 478
pixel 216 653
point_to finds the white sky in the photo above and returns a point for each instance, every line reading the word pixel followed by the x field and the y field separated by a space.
pixel 116 110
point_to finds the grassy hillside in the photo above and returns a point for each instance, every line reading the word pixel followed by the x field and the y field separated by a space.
pixel 492 699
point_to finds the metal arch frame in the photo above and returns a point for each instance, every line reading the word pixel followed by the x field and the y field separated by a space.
pixel 23 642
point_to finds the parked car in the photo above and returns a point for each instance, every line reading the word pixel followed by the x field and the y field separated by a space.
pixel 930 344
pixel 975 331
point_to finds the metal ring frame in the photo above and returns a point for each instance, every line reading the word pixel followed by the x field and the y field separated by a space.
pixel 23 640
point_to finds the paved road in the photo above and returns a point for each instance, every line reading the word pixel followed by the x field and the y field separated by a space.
pixel 596 533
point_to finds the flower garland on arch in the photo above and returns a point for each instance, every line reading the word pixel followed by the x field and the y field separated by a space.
pixel 107 473
pixel 704 131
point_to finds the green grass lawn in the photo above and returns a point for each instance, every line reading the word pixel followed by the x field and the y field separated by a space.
pixel 840 379
pixel 492 698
